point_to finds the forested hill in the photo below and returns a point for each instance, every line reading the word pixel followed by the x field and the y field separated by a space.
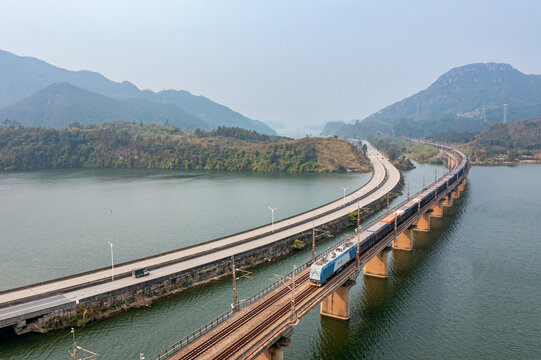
pixel 132 145
pixel 501 143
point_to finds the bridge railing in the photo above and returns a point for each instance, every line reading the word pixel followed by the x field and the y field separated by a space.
pixel 190 338
pixel 193 336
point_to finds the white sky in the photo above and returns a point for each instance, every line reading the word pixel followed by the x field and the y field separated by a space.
pixel 295 62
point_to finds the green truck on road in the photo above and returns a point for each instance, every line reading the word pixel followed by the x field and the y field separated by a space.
pixel 139 272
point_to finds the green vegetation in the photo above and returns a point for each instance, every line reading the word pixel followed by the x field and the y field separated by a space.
pixel 298 244
pixel 399 151
pixel 131 145
pixel 453 137
pixel 500 144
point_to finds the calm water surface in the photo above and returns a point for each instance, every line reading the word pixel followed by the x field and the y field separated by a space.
pixel 56 223
pixel 469 290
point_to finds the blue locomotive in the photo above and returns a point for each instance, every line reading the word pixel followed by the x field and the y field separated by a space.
pixel 332 263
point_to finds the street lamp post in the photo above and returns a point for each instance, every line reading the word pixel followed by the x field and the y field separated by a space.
pixel 345 188
pixel 272 217
pixel 112 263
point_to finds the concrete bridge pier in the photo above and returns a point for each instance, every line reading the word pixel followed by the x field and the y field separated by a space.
pixel 377 266
pixel 336 305
pixel 276 350
pixel 455 194
pixel 448 201
pixel 423 224
pixel 437 210
pixel 404 240
pixel 462 185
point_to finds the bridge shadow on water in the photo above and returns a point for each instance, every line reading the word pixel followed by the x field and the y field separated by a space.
pixel 377 303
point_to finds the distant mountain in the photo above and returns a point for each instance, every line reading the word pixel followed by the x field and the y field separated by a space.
pixel 59 105
pixel 455 102
pixel 20 77
pixel 212 113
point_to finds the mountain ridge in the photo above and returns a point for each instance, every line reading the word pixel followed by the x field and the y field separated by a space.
pixel 455 101
pixel 20 77
pixel 61 104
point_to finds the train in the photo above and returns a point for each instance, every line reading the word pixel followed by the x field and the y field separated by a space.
pixel 338 258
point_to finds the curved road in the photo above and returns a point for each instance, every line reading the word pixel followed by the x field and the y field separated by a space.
pixel 56 293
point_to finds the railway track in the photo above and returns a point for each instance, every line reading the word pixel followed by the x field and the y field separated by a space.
pixel 194 353
pixel 263 325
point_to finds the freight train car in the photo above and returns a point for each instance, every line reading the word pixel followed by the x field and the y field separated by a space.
pixel 366 239
pixel 380 230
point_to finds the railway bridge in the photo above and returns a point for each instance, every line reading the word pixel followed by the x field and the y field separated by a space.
pixel 260 326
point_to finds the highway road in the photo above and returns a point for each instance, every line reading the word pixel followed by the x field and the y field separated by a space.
pixel 46 295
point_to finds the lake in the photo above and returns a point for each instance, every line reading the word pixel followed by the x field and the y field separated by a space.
pixel 469 290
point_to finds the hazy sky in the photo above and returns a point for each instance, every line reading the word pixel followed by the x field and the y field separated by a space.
pixel 295 62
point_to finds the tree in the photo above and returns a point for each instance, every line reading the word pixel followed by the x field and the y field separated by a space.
pixel 393 152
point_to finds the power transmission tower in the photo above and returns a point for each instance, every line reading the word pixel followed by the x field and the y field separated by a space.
pixel 484 116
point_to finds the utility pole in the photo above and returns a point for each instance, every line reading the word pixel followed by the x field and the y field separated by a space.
pixel 358 216
pixel 324 232
pixel 408 190
pixel 293 294
pixel 358 255
pixel 313 241
pixel 235 300
pixel 245 274
pixel 112 263
pixel 345 188
pixel 272 217
pixel 87 354
pixel 74 344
